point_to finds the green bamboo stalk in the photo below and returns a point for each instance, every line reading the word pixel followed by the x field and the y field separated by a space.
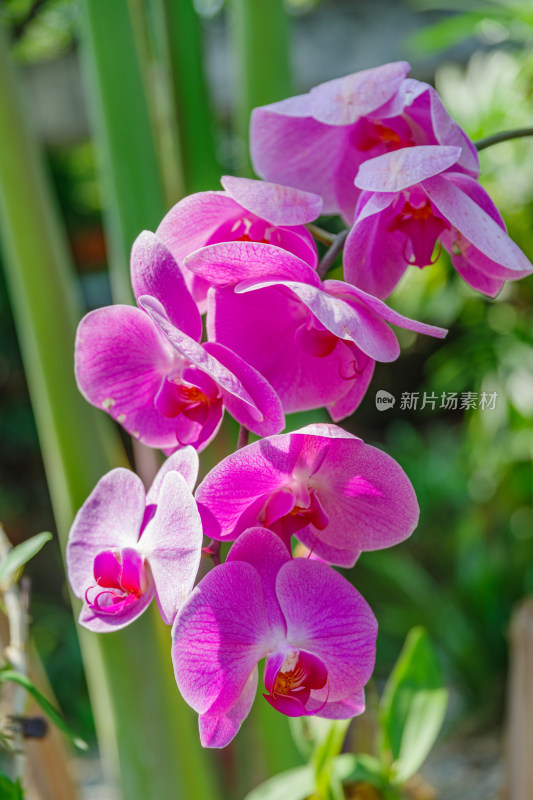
pixel 180 26
pixel 260 36
pixel 139 715
pixel 133 188
pixel 150 30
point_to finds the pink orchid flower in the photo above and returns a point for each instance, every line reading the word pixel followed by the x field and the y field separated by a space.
pixel 411 200
pixel 335 493
pixel 316 631
pixel 126 545
pixel 318 140
pixel 248 211
pixel 315 342
pixel 146 367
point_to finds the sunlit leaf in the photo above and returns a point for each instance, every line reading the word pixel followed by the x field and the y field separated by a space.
pixel 413 704
pixel 19 555
pixel 295 784
pixel 52 713
pixel 10 790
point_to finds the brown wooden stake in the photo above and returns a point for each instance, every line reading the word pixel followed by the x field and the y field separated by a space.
pixel 519 757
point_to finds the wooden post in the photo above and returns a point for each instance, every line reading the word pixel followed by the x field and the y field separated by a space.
pixel 519 756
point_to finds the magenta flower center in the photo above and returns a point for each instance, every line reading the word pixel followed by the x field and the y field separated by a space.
pixel 121 579
pixel 289 687
pixel 314 338
pixel 186 391
pixel 297 504
pixel 417 220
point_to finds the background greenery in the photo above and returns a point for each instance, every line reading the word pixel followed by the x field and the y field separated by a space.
pixel 160 132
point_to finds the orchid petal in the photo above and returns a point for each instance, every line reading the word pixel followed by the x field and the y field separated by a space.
pixel 279 205
pixel 359 325
pixel 313 598
pixel 264 551
pixel 475 224
pixel 218 731
pixel 214 648
pixel 228 263
pixel 353 294
pixel 399 169
pixel 185 461
pixel 109 519
pixel 172 543
pixel 196 354
pixel 263 395
pixel 155 272
pixel 121 357
pixel 343 100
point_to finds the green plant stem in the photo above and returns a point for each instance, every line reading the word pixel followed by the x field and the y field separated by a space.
pixel 130 169
pixel 331 254
pixel 180 38
pixel 260 36
pixel 140 718
pixel 505 136
pixel 325 237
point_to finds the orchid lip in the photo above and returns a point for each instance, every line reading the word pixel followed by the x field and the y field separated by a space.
pixel 291 674
pixel 121 579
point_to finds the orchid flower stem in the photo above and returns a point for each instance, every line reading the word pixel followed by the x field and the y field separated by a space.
pixel 331 254
pixel 212 550
pixel 244 435
pixel 505 136
pixel 325 237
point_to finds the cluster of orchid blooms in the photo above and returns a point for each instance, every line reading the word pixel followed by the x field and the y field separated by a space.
pixel 379 149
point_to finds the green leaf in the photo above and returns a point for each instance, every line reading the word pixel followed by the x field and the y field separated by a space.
pixel 47 707
pixel 10 790
pixel 360 768
pixel 294 784
pixel 413 705
pixel 330 744
pixel 19 555
pixel 446 33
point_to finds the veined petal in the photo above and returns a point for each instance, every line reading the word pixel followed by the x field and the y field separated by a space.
pixel 218 731
pixel 197 355
pixel 155 272
pixel 263 395
pixel 374 257
pixel 120 359
pixel 343 100
pixel 219 636
pixel 353 294
pixel 280 205
pixel 228 263
pixel 367 496
pixel 245 324
pixel 475 224
pixel 172 543
pixel 296 150
pixel 254 472
pixel 399 169
pixel 327 617
pixel 359 325
pixel 184 461
pixel 264 551
pixel 110 519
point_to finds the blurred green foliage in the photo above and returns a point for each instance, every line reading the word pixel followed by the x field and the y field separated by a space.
pixel 471 559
